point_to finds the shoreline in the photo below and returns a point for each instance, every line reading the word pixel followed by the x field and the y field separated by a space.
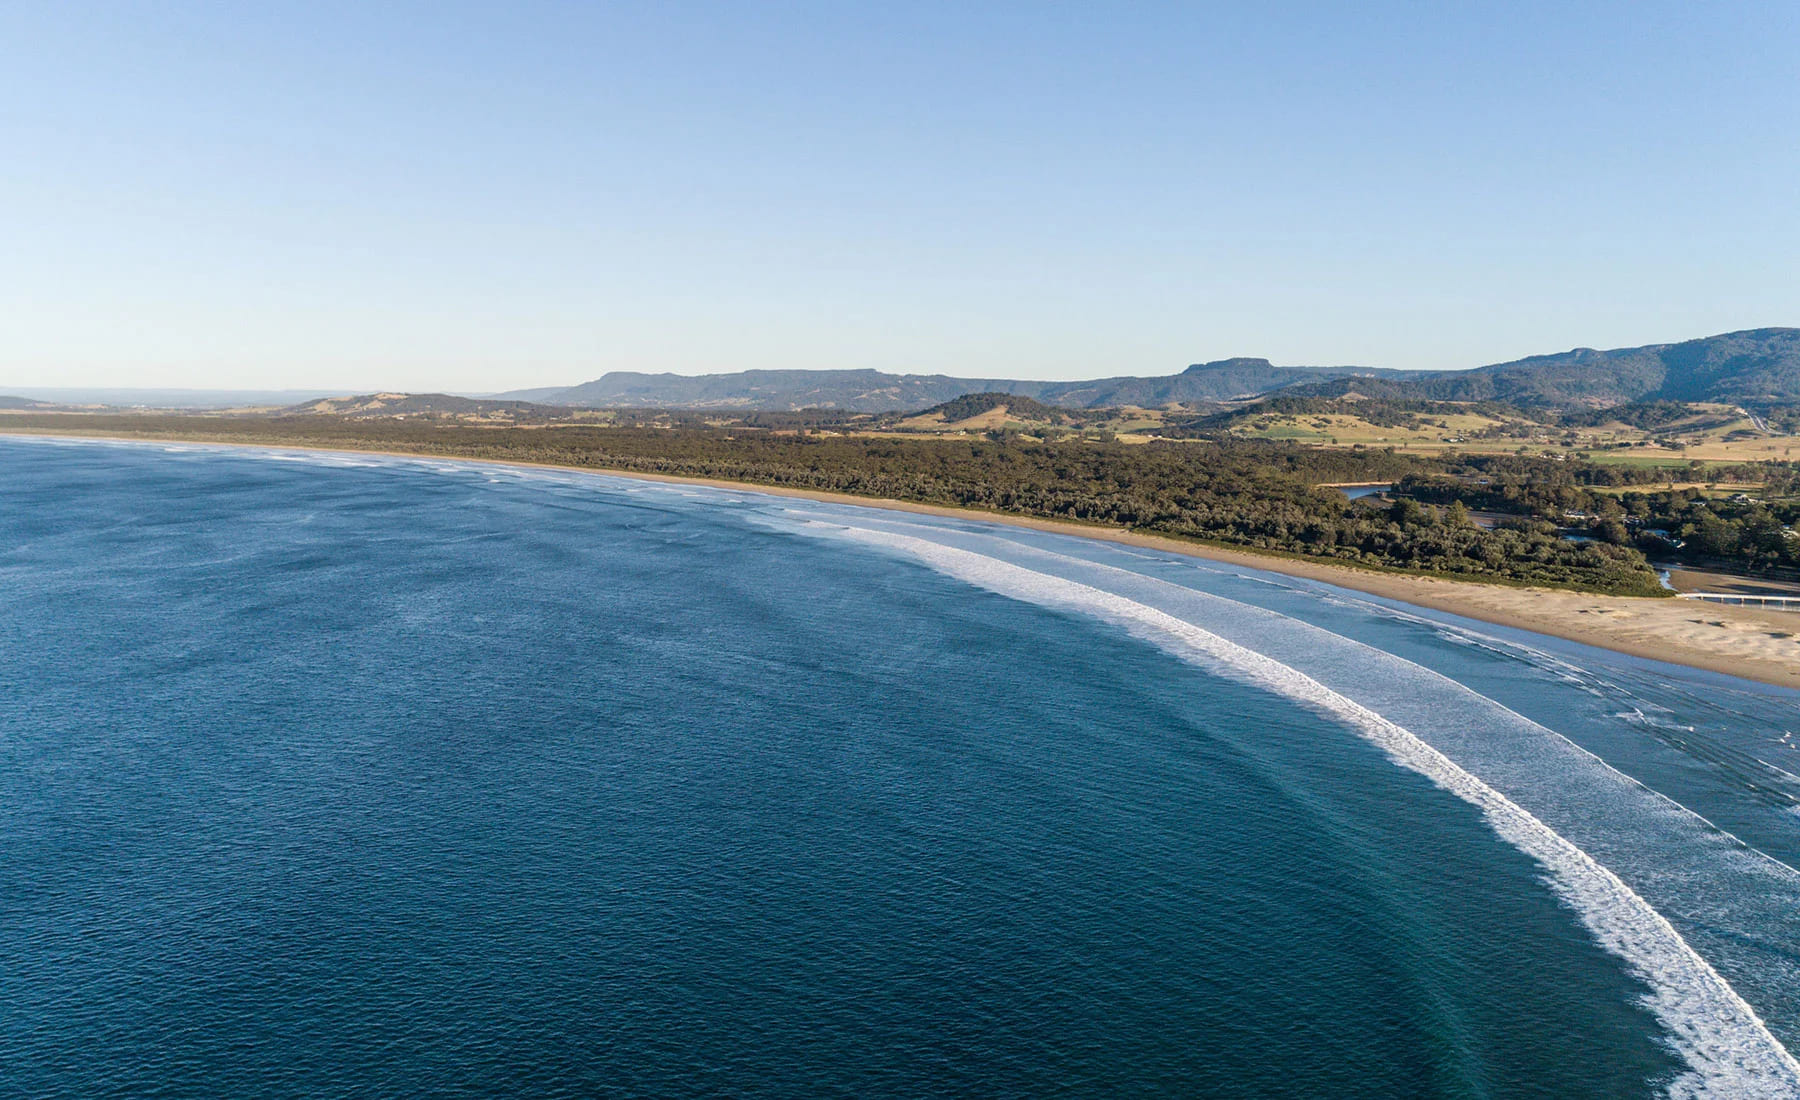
pixel 1742 642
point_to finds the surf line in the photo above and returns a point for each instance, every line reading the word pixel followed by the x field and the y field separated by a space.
pixel 1726 1045
pixel 1564 668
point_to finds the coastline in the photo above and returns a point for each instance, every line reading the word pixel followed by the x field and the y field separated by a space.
pixel 1743 642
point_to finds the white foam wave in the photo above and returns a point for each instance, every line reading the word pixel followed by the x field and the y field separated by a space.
pixel 1775 768
pixel 1727 1047
pixel 1638 717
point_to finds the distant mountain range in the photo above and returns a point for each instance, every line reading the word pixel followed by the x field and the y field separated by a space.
pixel 875 391
pixel 1754 367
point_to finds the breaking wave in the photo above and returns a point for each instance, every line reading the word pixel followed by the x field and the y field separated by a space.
pixel 1728 1049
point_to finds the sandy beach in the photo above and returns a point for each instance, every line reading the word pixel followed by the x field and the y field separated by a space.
pixel 1749 642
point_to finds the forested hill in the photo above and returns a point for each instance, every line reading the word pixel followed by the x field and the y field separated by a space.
pixel 1221 380
pixel 1754 367
pixel 974 404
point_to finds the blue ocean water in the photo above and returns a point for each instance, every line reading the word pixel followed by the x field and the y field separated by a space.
pixel 327 774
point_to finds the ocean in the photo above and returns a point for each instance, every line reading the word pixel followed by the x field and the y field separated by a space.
pixel 331 774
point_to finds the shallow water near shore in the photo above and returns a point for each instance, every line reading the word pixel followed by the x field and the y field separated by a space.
pixel 342 773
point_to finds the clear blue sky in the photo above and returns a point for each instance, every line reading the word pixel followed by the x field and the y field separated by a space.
pixel 479 197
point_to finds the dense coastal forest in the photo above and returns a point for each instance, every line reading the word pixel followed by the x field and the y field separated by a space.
pixel 1738 532
pixel 1256 495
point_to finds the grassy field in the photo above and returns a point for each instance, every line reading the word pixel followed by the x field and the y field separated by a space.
pixel 1714 433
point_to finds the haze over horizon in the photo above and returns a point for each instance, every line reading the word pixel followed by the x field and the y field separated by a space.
pixel 479 198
